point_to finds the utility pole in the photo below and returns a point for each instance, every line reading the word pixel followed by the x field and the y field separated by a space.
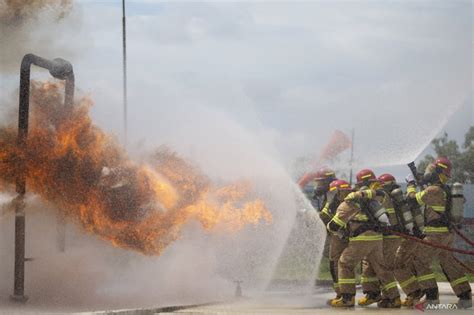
pixel 124 63
pixel 351 161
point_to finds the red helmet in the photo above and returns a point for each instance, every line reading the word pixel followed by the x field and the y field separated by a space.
pixel 387 179
pixel 443 165
pixel 365 176
pixel 339 184
pixel 325 174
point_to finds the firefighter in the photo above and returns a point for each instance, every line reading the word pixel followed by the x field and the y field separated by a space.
pixel 360 217
pixel 370 283
pixel 338 191
pixel 412 219
pixel 328 200
pixel 322 178
pixel 436 200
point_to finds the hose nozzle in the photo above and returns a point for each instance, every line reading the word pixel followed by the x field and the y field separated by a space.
pixel 414 171
pixel 412 168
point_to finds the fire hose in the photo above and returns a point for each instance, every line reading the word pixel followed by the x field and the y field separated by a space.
pixel 464 237
pixel 469 269
pixel 416 239
pixel 440 246
pixel 467 240
pixel 414 171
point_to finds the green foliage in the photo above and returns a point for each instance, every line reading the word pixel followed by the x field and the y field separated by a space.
pixel 467 158
pixel 468 142
pixel 461 158
pixel 425 162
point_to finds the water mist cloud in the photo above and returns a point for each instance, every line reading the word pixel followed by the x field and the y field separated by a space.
pixel 297 72
pixel 35 26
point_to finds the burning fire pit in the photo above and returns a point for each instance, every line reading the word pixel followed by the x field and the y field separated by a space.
pixel 71 163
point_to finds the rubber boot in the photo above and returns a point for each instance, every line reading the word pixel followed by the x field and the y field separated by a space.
pixel 412 299
pixel 329 302
pixel 369 298
pixel 465 300
pixel 390 303
pixel 346 300
pixel 432 297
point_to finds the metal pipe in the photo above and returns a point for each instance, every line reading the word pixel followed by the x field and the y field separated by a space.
pixel 124 66
pixel 60 69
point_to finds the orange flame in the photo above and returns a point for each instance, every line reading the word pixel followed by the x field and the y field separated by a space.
pixel 82 170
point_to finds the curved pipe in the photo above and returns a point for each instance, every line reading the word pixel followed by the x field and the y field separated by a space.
pixel 60 69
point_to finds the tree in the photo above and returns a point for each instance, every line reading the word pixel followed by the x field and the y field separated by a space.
pixel 469 140
pixel 461 158
pixel 467 159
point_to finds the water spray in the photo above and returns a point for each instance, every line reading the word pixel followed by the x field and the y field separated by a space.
pixel 59 69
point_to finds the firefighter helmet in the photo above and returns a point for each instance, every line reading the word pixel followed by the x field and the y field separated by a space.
pixel 443 166
pixel 339 184
pixel 438 172
pixel 322 179
pixel 365 176
pixel 387 179
pixel 325 174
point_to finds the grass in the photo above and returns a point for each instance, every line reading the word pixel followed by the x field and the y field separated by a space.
pixel 324 273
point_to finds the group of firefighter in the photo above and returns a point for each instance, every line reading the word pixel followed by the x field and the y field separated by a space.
pixel 366 223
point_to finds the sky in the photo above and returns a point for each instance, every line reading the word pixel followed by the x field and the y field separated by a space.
pixel 206 77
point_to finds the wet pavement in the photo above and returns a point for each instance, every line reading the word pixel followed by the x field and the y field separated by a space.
pixel 276 302
pixel 290 304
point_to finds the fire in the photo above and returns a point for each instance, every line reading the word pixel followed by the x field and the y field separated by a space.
pixel 84 172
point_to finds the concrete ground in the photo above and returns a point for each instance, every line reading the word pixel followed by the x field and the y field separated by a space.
pixel 284 304
pixel 278 303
